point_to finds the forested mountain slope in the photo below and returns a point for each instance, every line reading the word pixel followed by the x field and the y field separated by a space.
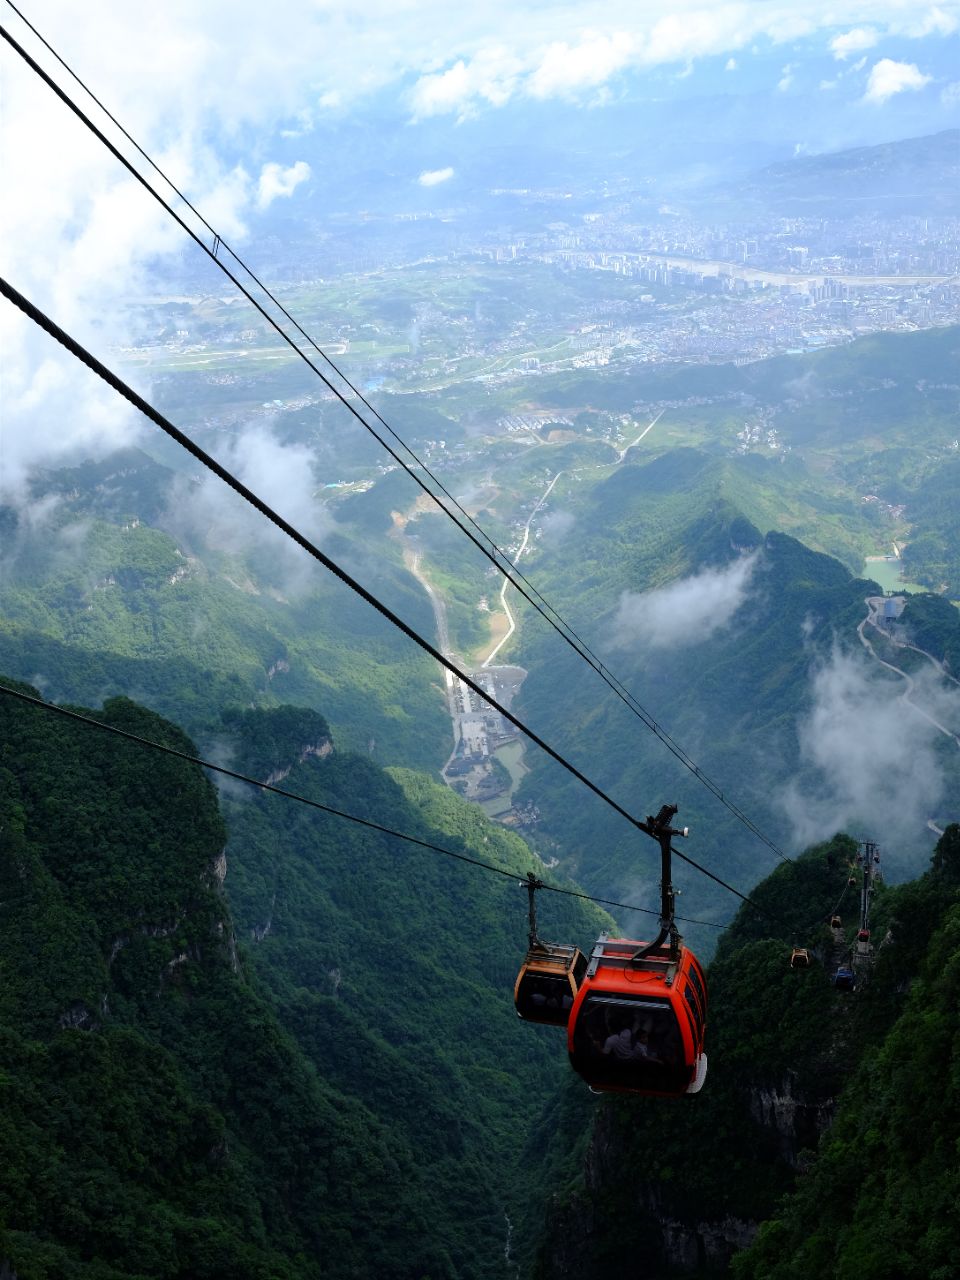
pixel 880 1201
pixel 156 1120
pixel 114 581
pixel 730 687
pixel 342 1088
pixel 829 1117
pixel 864 439
pixel 394 968
pixel 911 173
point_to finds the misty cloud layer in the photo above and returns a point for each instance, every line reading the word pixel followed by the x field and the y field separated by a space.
pixel 686 612
pixel 874 757
pixel 555 526
pixel 207 513
pixel 82 237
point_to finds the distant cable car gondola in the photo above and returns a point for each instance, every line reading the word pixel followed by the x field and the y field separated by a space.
pixel 799 958
pixel 845 979
pixel 550 975
pixel 863 935
pixel 637 1024
pixel 836 922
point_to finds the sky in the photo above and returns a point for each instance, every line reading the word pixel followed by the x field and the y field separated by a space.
pixel 252 108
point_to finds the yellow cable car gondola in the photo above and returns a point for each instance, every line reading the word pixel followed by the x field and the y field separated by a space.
pixel 548 982
pixel 550 975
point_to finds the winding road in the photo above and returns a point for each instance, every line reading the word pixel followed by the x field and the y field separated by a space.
pixel 874 605
pixel 511 621
pixel 506 582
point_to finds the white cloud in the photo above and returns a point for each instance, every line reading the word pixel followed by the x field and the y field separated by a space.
pixel 696 32
pixel 731 65
pixel 442 92
pixel 184 80
pixel 564 52
pixel 209 514
pixel 786 78
pixel 433 177
pixel 685 612
pixel 277 181
pixel 872 756
pixel 935 22
pixel 564 69
pixel 950 94
pixel 489 77
pixel 854 41
pixel 888 78
pixel 42 385
pixel 555 526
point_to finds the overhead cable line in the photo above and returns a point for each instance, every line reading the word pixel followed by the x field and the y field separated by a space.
pixel 326 808
pixel 492 552
pixel 122 388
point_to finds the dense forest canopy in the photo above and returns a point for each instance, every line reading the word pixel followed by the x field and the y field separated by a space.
pixel 192 1080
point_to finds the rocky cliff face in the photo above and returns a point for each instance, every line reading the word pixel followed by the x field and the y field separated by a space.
pixel 662 1228
pixel 318 750
pixel 795 1117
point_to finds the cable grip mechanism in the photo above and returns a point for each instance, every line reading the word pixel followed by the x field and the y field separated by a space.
pixel 533 940
pixel 660 829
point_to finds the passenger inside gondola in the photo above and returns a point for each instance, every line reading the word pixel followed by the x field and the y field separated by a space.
pixel 540 995
pixel 622 1042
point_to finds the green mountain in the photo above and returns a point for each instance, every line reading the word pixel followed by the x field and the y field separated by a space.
pixel 732 696
pixel 881 1198
pixel 97 599
pixel 831 1118
pixel 394 970
pixel 932 556
pixel 912 174
pixel 933 625
pixel 156 1119
pixel 324 1077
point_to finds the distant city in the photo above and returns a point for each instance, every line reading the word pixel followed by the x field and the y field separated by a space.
pixel 489 312
pixel 794 284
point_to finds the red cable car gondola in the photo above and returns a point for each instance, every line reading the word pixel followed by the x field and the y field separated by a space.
pixel 638 1022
